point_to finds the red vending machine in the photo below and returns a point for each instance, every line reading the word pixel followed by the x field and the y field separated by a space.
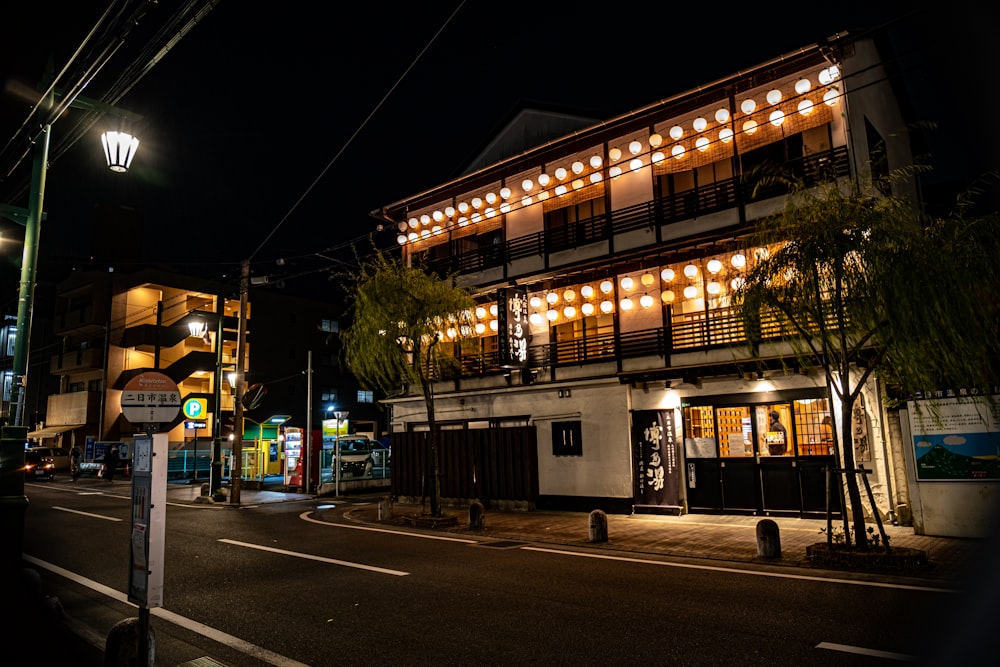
pixel 295 463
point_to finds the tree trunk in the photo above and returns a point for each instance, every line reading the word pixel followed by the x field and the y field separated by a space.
pixel 435 485
pixel 853 490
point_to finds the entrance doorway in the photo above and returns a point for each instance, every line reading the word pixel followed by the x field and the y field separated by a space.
pixel 765 458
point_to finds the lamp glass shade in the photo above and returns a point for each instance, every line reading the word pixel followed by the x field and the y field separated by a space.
pixel 119 149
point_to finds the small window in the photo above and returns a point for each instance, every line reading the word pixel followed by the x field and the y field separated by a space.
pixel 328 395
pixel 329 326
pixel 365 396
pixel 567 439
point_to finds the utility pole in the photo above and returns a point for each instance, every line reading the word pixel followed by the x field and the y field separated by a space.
pixel 215 479
pixel 309 419
pixel 236 467
pixel 26 293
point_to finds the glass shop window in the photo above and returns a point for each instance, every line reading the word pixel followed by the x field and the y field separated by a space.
pixel 699 432
pixel 735 431
pixel 774 430
pixel 814 427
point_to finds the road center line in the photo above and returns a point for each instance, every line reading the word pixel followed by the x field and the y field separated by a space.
pixel 159 612
pixel 756 573
pixel 887 655
pixel 321 559
pixel 93 516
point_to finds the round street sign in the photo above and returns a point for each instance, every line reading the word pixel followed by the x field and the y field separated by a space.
pixel 195 408
pixel 151 398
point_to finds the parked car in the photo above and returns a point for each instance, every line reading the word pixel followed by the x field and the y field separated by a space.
pixel 37 467
pixel 356 456
pixel 381 454
pixel 58 457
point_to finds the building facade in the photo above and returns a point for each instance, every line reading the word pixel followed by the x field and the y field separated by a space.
pixel 603 263
pixel 114 326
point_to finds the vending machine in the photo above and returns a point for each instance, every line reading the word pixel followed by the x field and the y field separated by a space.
pixel 295 463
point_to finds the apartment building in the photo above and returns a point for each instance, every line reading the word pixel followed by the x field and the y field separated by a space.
pixel 113 326
pixel 603 262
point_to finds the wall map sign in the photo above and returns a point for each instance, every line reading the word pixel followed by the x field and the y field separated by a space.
pixel 151 398
pixel 956 439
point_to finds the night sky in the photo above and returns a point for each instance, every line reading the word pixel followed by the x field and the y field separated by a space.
pixel 273 134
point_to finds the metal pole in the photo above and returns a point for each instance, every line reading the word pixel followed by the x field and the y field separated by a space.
pixel 26 293
pixel 236 469
pixel 216 474
pixel 336 458
pixel 309 418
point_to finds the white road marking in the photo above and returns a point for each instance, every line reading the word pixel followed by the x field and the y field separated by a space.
pixel 755 573
pixel 94 516
pixel 305 517
pixel 887 655
pixel 321 559
pixel 204 630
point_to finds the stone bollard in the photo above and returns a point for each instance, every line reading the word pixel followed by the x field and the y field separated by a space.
pixel 768 539
pixel 477 517
pixel 598 526
pixel 385 508
pixel 205 489
pixel 122 646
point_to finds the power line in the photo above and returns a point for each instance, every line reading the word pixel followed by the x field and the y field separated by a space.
pixel 357 131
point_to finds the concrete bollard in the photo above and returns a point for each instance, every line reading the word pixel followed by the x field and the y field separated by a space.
pixel 477 516
pixel 205 490
pixel 768 539
pixel 122 646
pixel 385 508
pixel 598 526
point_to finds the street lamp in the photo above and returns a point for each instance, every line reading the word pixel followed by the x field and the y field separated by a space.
pixel 115 147
pixel 339 415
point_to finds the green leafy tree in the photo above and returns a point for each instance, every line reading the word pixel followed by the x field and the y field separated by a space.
pixel 859 282
pixel 399 316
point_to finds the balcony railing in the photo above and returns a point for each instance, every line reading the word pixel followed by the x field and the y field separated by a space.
pixel 717 328
pixel 721 195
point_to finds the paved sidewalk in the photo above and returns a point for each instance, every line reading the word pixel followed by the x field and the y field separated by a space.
pixel 718 539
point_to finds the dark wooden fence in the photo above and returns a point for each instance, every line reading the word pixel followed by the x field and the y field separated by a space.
pixel 488 465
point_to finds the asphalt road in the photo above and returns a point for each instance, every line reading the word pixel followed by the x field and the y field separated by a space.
pixel 299 584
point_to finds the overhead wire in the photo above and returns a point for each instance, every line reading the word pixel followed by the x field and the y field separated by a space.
pixel 356 131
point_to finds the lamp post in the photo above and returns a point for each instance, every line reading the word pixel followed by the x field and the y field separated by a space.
pixel 119 149
pixel 340 415
pixel 236 470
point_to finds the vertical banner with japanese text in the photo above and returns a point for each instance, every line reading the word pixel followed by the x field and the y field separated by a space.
pixel 512 315
pixel 655 459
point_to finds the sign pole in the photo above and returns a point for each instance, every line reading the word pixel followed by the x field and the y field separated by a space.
pixel 151 399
